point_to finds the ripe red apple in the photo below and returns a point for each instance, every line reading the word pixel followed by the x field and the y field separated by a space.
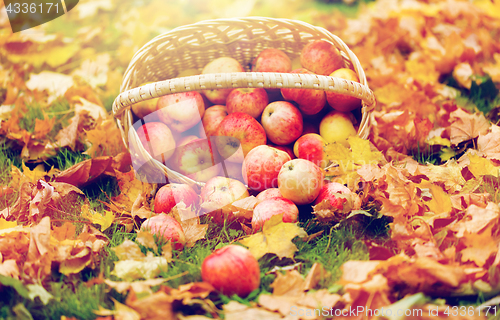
pixel 231 270
pixel 339 197
pixel 251 101
pixel 309 101
pixel 195 160
pixel 212 118
pixel 282 122
pixel 288 149
pixel 321 57
pixel 261 167
pixel 221 65
pixel 271 207
pixel 165 228
pixel 157 139
pixel 337 127
pixel 181 111
pixel 237 134
pixel 300 181
pixel 171 194
pixel 272 60
pixel 269 194
pixel 343 102
pixel 217 195
pixel 311 147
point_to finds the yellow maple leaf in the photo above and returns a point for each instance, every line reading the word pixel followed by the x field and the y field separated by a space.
pixel 361 151
pixel 276 237
pixel 4 224
pixel 440 202
pixel 480 166
pixel 104 221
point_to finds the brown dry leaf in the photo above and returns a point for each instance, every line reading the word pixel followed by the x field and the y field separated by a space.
pixel 140 208
pixel 147 239
pixel 138 286
pixel 190 291
pixel 85 172
pixel 9 268
pixel 476 219
pixel 463 74
pixel 357 271
pixel 237 311
pixel 56 84
pixel 315 275
pixel 290 284
pixel 105 138
pixel 130 189
pixel 68 136
pixel 450 174
pixel 156 306
pixel 243 208
pixel 480 246
pixel 466 126
pixel 128 250
pixel 276 237
pixel 489 144
pixel 120 311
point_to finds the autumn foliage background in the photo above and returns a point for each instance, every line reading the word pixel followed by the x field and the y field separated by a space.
pixel 430 169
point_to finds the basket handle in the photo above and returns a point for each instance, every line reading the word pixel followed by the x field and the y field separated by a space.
pixel 269 80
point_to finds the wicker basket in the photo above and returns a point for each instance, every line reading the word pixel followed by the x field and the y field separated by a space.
pixel 162 59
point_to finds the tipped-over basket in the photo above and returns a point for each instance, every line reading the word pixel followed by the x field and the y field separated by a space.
pixel 162 59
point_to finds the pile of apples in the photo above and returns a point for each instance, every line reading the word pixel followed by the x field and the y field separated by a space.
pixel 248 141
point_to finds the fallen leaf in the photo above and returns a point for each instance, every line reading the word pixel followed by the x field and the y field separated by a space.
pixel 275 238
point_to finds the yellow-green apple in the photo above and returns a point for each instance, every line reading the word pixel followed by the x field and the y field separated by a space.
pixel 300 181
pixel 181 111
pixel 269 193
pixel 221 65
pixel 287 148
pixel 339 196
pixel 157 139
pixel 311 147
pixel 211 119
pixel 171 194
pixel 251 101
pixel 343 102
pixel 195 159
pixel 309 101
pixel 231 270
pixel 337 127
pixel 272 60
pixel 321 57
pixel 262 166
pixel 165 228
pixel 217 195
pixel 237 134
pixel 282 122
pixel 271 207
pixel 144 108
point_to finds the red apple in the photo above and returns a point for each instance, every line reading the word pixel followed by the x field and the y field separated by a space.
pixel 171 194
pixel 217 195
pixel 271 207
pixel 181 111
pixel 309 101
pixel 339 197
pixel 165 228
pixel 300 181
pixel 269 193
pixel 337 127
pixel 157 139
pixel 321 57
pixel 251 101
pixel 195 160
pixel 231 270
pixel 211 119
pixel 288 149
pixel 221 65
pixel 311 147
pixel 237 134
pixel 261 167
pixel 343 102
pixel 282 122
pixel 272 60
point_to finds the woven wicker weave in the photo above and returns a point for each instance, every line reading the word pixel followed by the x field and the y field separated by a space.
pixel 162 59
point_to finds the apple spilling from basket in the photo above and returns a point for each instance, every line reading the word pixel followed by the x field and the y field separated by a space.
pixel 248 141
